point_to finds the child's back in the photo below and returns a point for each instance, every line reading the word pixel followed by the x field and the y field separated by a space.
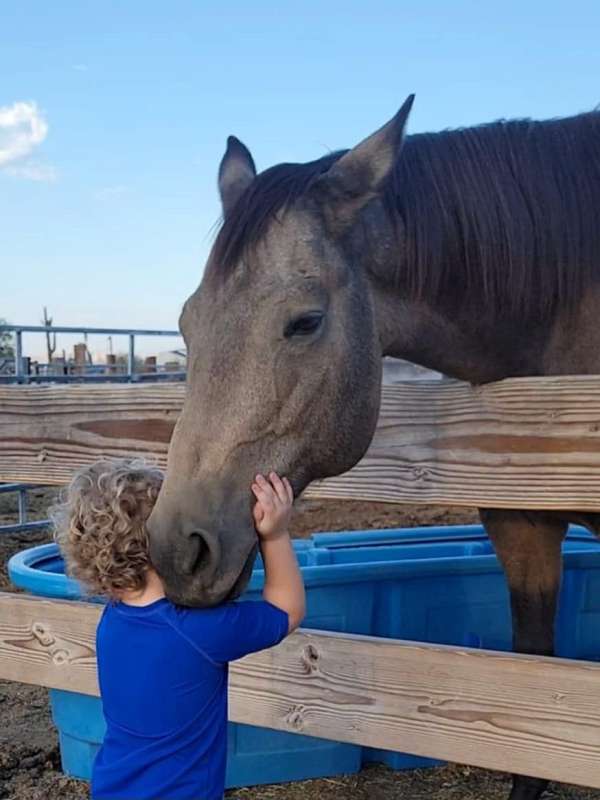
pixel 163 679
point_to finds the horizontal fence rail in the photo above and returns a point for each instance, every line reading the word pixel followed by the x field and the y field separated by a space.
pixel 70 329
pixel 529 443
pixel 530 715
pixel 165 376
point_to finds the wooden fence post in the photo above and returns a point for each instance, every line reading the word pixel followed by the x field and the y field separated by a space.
pixel 111 363
pixel 80 352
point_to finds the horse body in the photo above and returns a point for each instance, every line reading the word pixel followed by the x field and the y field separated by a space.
pixel 473 252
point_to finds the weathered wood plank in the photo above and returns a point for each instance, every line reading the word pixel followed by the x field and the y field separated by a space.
pixel 525 443
pixel 521 443
pixel 536 716
pixel 48 643
pixel 49 431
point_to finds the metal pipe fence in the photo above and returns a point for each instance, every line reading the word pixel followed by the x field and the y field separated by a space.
pixel 24 523
pixel 47 373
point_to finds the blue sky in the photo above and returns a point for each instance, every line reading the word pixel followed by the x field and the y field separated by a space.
pixel 114 115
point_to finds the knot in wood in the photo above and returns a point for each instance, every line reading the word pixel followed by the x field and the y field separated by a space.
pixel 295 718
pixel 42 634
pixel 42 456
pixel 310 658
pixel 420 473
pixel 60 658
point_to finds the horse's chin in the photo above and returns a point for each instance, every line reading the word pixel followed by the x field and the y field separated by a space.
pixel 239 587
pixel 195 597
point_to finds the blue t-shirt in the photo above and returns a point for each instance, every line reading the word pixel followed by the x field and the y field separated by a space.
pixel 163 679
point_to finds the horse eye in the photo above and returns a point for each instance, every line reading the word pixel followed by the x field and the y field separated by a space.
pixel 304 325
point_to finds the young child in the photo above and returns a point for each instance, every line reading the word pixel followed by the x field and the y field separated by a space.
pixel 162 668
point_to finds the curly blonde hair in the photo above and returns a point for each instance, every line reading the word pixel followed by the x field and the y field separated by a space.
pixel 101 525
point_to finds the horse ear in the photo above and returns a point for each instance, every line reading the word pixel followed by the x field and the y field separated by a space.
pixel 236 173
pixel 360 174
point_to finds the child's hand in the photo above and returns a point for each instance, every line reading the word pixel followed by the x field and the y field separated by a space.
pixel 273 509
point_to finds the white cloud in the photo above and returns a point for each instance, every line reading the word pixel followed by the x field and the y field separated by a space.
pixel 80 67
pixel 22 129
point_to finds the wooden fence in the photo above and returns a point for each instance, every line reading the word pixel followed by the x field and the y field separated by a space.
pixel 521 443
pixel 535 716
pixel 524 443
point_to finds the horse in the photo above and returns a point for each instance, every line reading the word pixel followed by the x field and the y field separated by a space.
pixel 474 252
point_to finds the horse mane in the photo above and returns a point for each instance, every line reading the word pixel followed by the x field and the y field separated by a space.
pixel 506 213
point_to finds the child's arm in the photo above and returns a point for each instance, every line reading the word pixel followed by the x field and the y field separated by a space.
pixel 233 630
pixel 283 583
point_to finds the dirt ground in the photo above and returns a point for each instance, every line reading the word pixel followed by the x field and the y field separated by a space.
pixel 29 756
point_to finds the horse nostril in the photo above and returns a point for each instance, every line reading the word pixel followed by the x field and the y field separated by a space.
pixel 202 553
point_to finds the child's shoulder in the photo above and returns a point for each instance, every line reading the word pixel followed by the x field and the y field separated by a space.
pixel 208 615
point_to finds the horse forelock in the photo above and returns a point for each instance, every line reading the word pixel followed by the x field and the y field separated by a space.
pixel 271 192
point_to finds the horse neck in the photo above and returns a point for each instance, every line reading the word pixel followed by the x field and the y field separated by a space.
pixel 463 343
pixel 527 249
